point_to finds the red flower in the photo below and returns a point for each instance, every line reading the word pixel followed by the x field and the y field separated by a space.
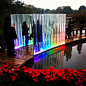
pixel 9 67
pixel 53 74
pixel 36 70
pixel 47 71
pixel 24 67
pixel 51 78
pixel 63 77
pixel 76 83
pixel 74 70
pixel 10 71
pixel 6 70
pixel 17 75
pixel 2 67
pixel 67 79
pixel 26 70
pixel 13 78
pixel 35 80
pixel 51 68
pixel 16 68
pixel 79 80
pixel 37 74
pixel 85 78
pixel 60 74
pixel 49 74
pixel 56 71
pixel 33 75
pixel 47 77
pixel 72 78
pixel 74 74
pixel 30 71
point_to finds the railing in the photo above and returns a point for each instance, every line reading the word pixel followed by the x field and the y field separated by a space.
pixel 78 30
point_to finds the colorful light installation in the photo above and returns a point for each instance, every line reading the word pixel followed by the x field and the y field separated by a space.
pixel 18 20
pixel 48 30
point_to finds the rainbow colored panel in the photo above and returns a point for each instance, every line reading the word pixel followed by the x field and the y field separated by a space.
pixel 49 31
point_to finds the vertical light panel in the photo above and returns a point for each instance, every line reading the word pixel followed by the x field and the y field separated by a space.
pixel 18 20
pixel 51 29
pixel 48 30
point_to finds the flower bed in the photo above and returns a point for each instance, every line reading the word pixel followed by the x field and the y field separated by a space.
pixel 38 76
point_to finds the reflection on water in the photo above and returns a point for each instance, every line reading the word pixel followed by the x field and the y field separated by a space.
pixel 73 56
pixel 55 60
pixel 68 53
pixel 48 53
pixel 79 48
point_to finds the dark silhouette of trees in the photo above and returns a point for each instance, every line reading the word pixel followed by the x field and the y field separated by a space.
pixel 8 7
pixel 47 11
pixel 58 10
pixel 82 9
pixel 67 10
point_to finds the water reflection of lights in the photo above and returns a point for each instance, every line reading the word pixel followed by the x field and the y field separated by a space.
pixel 48 53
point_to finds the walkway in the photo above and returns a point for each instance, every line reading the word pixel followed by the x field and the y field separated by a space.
pixel 76 37
pixel 22 55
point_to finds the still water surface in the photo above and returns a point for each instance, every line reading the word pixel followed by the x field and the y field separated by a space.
pixel 73 56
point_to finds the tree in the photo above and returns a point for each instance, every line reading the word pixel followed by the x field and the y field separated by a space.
pixel 75 11
pixel 67 10
pixel 82 9
pixel 58 10
pixel 47 11
pixel 3 5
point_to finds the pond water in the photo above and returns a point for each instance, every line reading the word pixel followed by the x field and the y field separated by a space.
pixel 72 56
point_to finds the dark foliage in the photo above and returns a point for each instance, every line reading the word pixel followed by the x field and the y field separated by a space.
pixel 8 7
